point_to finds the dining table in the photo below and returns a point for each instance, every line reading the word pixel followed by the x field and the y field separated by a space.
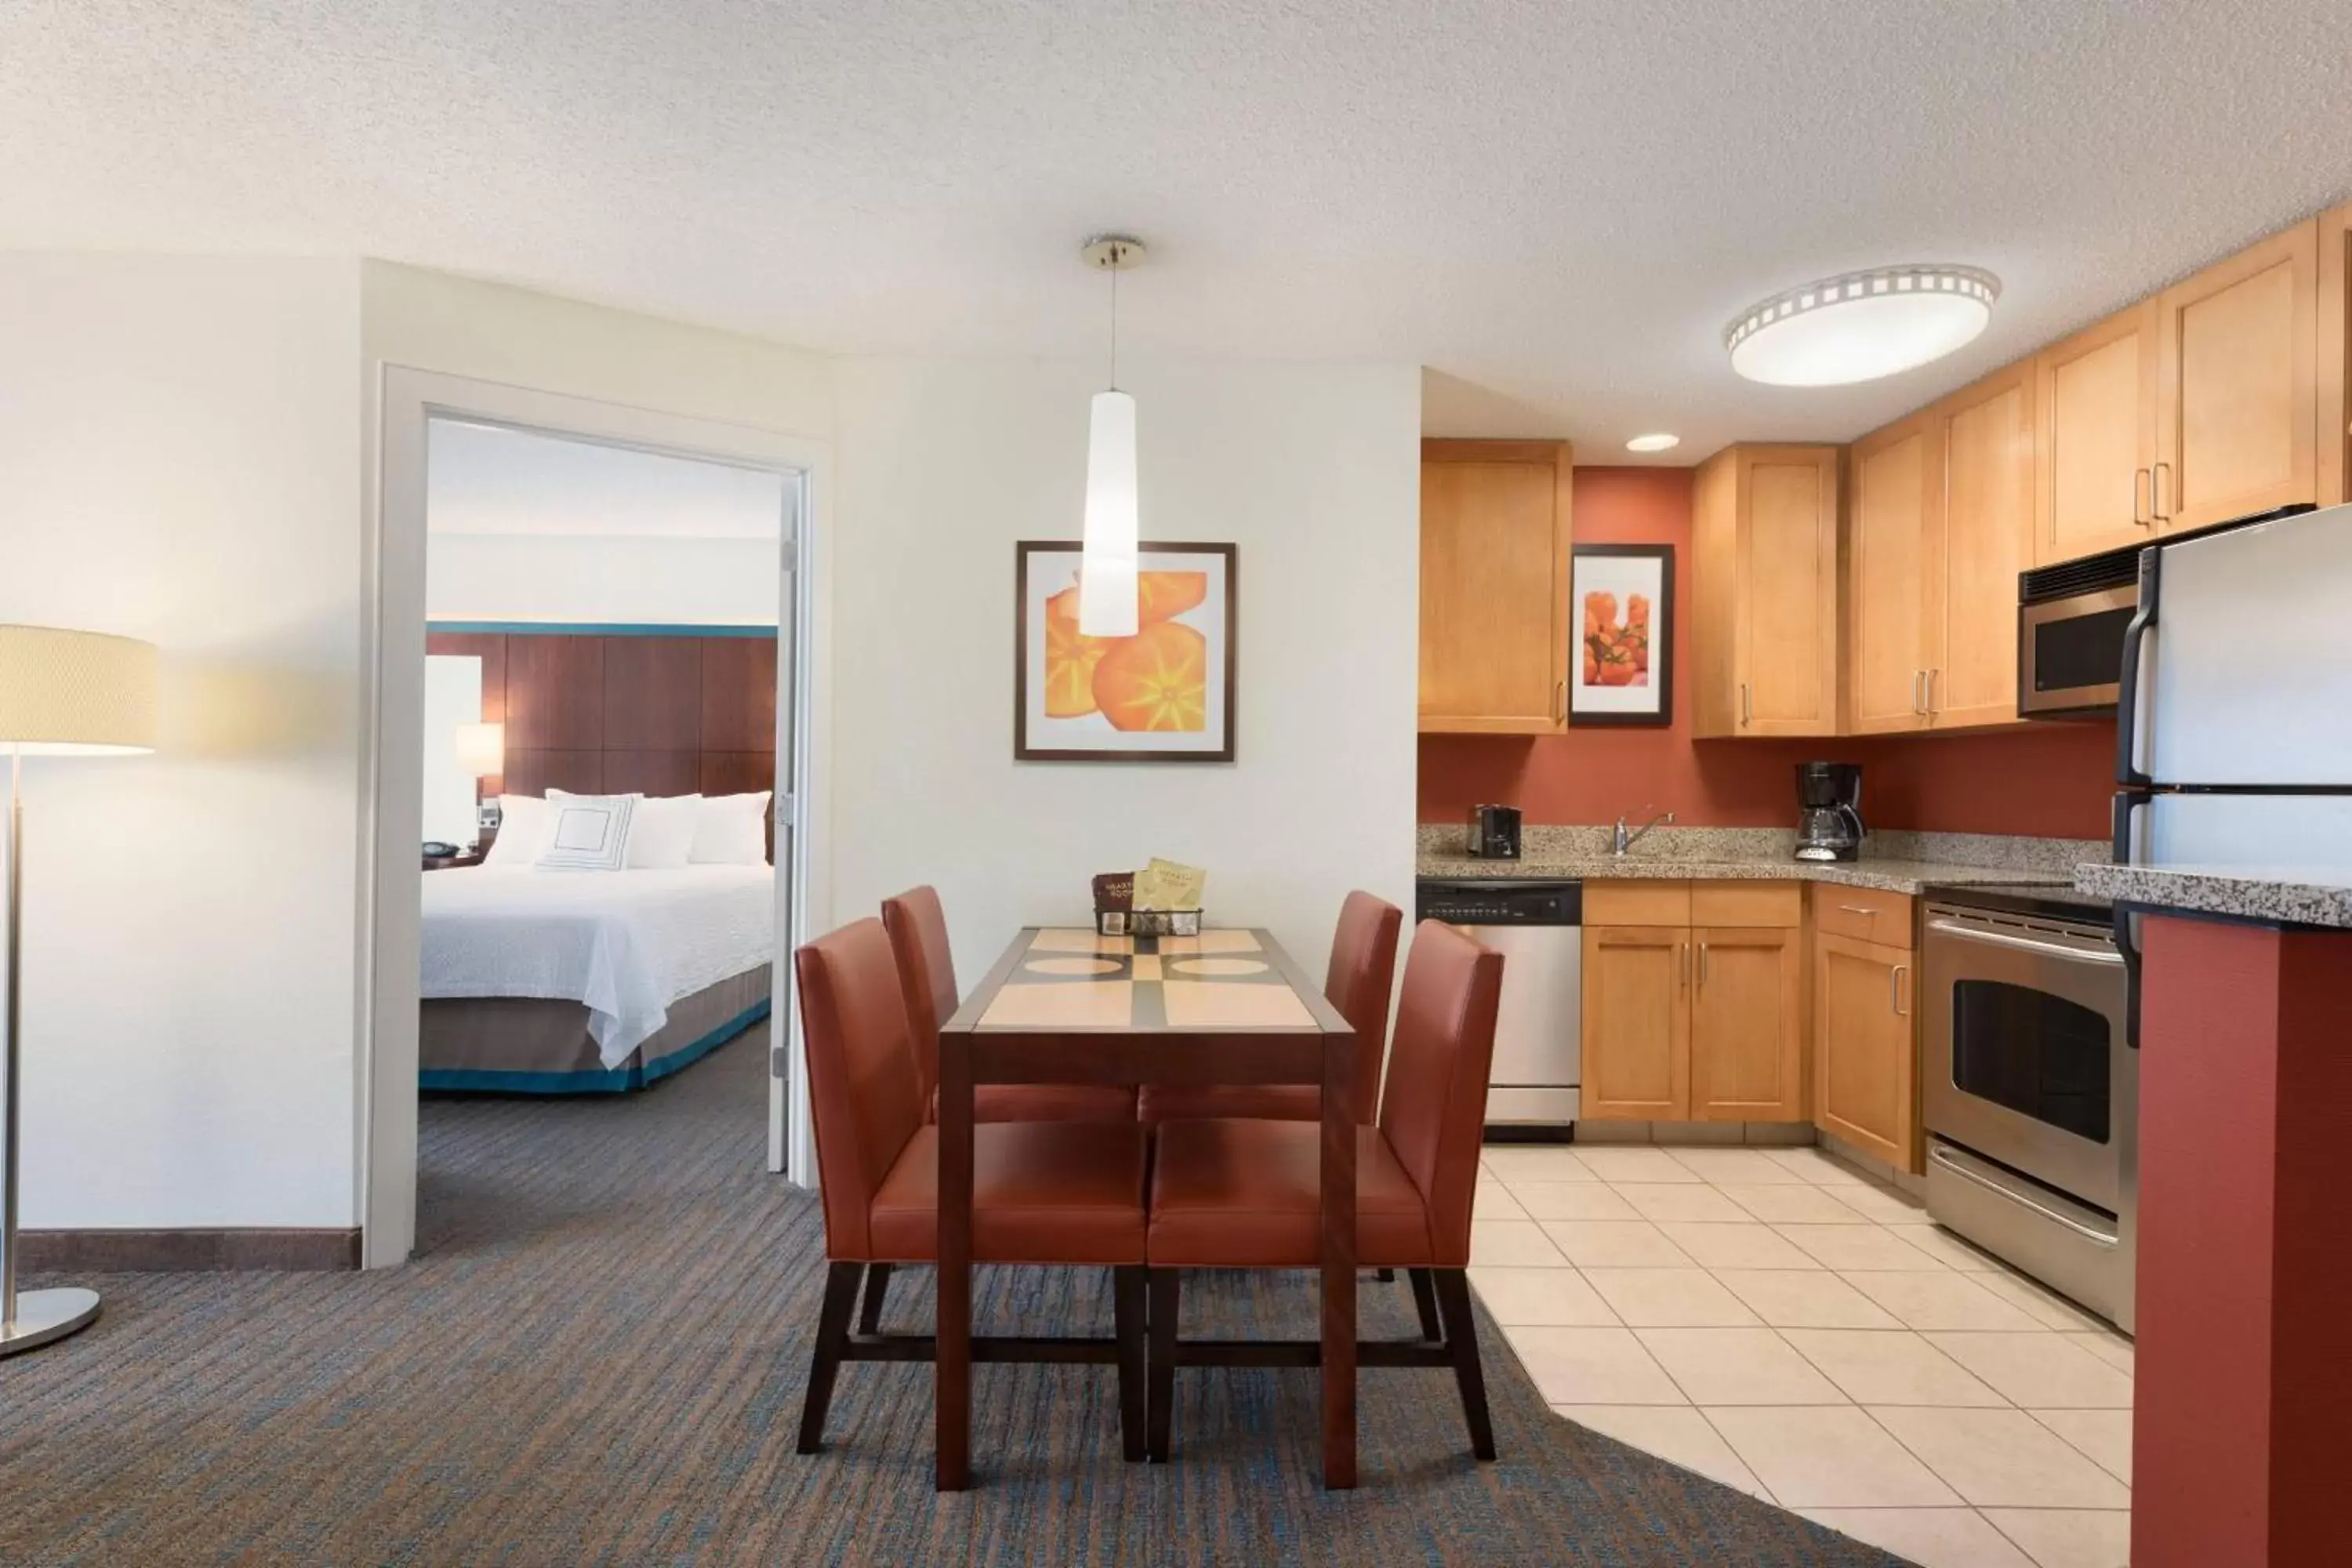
pixel 1069 1005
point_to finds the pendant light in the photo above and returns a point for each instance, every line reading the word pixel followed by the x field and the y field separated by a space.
pixel 1859 326
pixel 1106 587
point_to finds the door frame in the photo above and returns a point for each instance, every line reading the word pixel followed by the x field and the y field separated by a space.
pixel 392 652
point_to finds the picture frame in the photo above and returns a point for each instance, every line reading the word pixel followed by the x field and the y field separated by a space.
pixel 1622 668
pixel 1166 695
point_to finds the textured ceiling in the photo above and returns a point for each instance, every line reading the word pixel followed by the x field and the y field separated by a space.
pixel 482 478
pixel 1555 205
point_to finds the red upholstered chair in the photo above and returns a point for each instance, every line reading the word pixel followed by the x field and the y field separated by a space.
pixel 1043 1192
pixel 1232 1194
pixel 1362 973
pixel 919 935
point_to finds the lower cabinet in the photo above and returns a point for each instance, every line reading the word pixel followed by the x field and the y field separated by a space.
pixel 1747 1040
pixel 1688 1022
pixel 1865 1061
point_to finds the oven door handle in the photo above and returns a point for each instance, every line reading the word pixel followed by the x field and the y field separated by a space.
pixel 1937 1156
pixel 2025 943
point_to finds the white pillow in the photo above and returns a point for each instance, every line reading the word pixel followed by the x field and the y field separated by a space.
pixel 591 832
pixel 730 831
pixel 661 835
pixel 525 823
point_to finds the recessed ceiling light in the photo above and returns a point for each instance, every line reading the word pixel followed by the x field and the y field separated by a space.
pixel 1657 441
pixel 1859 326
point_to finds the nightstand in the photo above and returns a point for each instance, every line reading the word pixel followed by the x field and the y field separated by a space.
pixel 453 862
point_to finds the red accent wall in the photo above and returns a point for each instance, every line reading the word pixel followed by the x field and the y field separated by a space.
pixel 2052 780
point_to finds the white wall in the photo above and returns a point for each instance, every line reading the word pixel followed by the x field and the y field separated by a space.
pixel 1313 471
pixel 179 460
pixel 602 580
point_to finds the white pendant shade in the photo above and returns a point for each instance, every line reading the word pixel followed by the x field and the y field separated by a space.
pixel 1860 326
pixel 1107 574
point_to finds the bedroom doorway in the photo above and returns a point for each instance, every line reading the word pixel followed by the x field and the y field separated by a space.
pixel 602 739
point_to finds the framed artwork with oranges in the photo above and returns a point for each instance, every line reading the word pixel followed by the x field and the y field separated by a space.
pixel 1621 671
pixel 1165 695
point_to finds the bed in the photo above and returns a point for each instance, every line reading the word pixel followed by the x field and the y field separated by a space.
pixel 543 981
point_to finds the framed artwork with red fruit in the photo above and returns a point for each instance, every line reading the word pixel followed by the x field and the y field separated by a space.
pixel 1165 695
pixel 1623 605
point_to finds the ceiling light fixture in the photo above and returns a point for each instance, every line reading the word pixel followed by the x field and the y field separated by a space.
pixel 1859 326
pixel 1106 587
pixel 1657 441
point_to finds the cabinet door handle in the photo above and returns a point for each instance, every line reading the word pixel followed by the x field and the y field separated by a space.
pixel 1747 705
pixel 2139 478
pixel 1702 966
pixel 1682 962
pixel 1560 702
pixel 1929 681
pixel 1894 989
pixel 1917 706
pixel 2156 494
pixel 1858 910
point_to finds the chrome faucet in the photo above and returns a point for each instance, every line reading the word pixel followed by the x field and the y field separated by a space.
pixel 1626 841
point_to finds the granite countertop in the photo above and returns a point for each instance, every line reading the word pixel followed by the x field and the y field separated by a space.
pixel 2289 896
pixel 1891 876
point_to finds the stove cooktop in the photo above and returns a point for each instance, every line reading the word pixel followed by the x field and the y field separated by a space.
pixel 2052 900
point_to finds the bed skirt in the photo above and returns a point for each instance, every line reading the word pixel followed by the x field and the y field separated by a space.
pixel 519 1045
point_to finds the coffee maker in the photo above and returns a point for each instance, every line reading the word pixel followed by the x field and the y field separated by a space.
pixel 1829 817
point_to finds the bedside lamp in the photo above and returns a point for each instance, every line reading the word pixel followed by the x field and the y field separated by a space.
pixel 482 751
pixel 62 694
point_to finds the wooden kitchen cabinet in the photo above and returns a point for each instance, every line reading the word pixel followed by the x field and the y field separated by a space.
pixel 1685 1022
pixel 1986 516
pixel 1636 1024
pixel 1747 1047
pixel 2237 385
pixel 2094 397
pixel 2334 356
pixel 1495 630
pixel 1893 521
pixel 1866 1056
pixel 1764 635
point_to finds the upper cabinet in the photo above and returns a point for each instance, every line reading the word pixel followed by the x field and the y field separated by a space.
pixel 2096 463
pixel 2237 387
pixel 1764 641
pixel 2334 367
pixel 1987 435
pixel 1892 519
pixel 1495 528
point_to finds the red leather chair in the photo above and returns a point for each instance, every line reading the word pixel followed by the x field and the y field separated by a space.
pixel 1232 1194
pixel 1043 1192
pixel 1361 972
pixel 919 935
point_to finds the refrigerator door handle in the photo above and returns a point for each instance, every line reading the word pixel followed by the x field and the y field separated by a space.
pixel 2128 772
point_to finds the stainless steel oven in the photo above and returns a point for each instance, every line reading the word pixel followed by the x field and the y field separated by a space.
pixel 2030 1090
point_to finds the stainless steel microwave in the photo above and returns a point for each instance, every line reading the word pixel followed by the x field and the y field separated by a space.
pixel 2070 620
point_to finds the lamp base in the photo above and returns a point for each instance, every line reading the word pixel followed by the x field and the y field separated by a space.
pixel 45 1315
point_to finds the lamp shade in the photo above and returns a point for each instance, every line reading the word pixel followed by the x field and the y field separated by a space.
pixel 482 749
pixel 65 694
pixel 1107 584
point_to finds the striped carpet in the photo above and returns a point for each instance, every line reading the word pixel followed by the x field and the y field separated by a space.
pixel 597 1357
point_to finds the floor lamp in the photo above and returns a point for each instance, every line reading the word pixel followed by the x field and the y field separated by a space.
pixel 61 694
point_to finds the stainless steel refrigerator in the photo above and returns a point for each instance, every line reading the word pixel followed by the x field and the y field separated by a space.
pixel 2234 717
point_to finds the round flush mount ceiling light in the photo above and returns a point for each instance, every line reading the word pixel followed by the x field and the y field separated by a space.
pixel 1859 326
pixel 1657 441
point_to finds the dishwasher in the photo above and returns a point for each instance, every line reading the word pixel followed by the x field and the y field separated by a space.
pixel 1536 924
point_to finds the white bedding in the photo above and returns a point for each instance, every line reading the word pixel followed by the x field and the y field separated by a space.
pixel 625 943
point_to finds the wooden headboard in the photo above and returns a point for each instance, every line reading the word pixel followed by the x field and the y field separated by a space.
pixel 607 713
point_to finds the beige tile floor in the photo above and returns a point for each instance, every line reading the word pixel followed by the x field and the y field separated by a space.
pixel 1779 1321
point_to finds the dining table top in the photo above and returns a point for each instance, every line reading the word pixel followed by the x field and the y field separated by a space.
pixel 1070 980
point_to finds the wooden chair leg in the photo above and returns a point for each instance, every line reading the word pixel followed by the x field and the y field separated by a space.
pixel 832 1338
pixel 1128 1289
pixel 1167 1288
pixel 1425 1302
pixel 877 1283
pixel 1452 1286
